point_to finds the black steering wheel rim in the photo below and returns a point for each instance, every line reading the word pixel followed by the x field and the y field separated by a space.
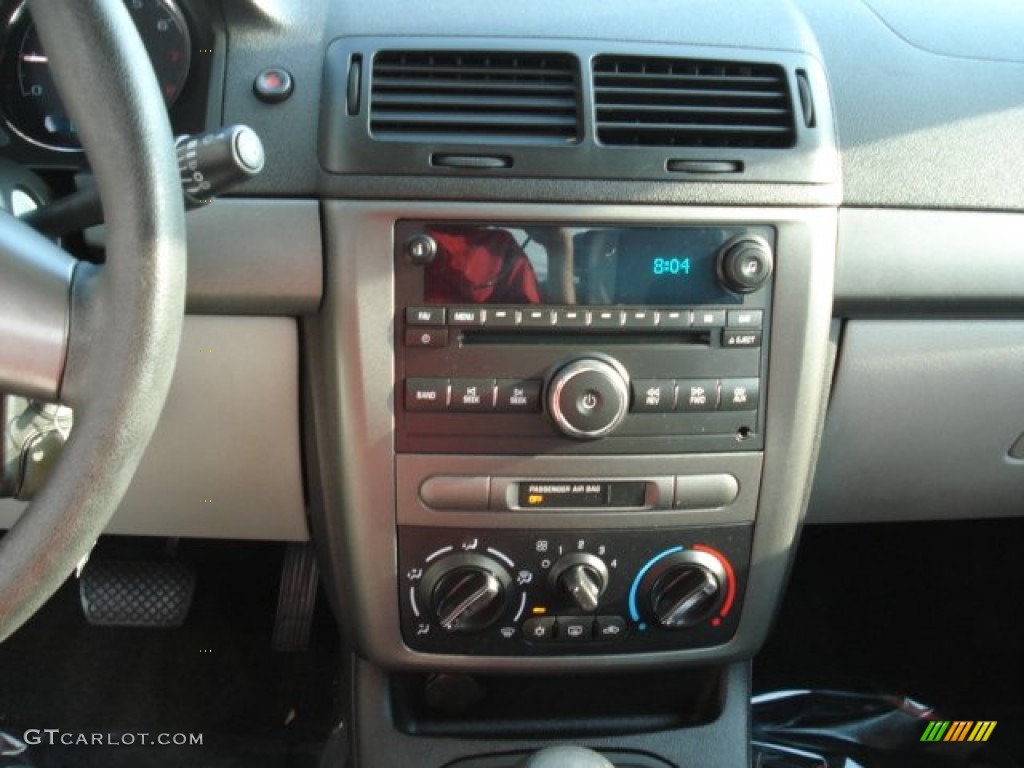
pixel 124 318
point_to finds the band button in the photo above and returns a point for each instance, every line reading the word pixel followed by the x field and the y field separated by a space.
pixel 426 394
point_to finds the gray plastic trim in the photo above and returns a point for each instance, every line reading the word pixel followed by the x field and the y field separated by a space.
pixel 922 418
pixel 506 472
pixel 893 263
pixel 225 460
pixel 254 257
pixel 354 407
pixel 250 257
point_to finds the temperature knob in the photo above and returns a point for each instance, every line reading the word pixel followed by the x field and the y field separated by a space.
pixel 467 593
pixel 745 265
pixel 589 397
pixel 581 577
pixel 688 588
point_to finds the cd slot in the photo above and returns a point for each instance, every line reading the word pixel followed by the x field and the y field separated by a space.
pixel 482 337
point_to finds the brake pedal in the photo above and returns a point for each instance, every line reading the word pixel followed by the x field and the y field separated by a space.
pixel 296 598
pixel 143 593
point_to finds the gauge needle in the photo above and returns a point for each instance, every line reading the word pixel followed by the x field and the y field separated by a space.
pixel 35 58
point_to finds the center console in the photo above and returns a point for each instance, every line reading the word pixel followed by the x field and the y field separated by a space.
pixel 585 432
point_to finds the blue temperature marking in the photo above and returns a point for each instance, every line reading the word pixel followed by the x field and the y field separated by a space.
pixel 633 611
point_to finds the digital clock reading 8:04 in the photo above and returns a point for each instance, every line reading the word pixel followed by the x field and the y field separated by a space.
pixel 674 266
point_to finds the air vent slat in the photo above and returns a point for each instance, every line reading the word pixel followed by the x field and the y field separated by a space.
pixel 450 101
pixel 469 97
pixel 470 86
pixel 643 101
pixel 471 119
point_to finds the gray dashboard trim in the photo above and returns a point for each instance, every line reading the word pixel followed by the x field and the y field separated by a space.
pixel 918 406
pixel 354 409
pixel 900 262
pixel 225 460
pixel 255 257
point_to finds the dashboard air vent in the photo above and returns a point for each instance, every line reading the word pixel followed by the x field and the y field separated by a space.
pixel 469 97
pixel 659 102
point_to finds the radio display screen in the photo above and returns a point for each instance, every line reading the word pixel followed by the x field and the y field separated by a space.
pixel 569 265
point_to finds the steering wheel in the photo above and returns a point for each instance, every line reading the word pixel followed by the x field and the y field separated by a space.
pixel 102 339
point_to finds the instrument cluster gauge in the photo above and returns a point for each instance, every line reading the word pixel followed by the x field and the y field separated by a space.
pixel 29 101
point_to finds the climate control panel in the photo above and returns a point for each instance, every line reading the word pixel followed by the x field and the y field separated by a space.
pixel 519 592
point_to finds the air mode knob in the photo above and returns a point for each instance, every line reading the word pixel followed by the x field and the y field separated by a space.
pixel 467 593
pixel 588 397
pixel 688 589
pixel 745 265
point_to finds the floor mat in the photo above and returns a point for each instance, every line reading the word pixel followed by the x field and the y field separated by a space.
pixel 215 677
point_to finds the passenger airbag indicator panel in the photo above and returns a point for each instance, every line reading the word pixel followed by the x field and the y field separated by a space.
pixel 548 494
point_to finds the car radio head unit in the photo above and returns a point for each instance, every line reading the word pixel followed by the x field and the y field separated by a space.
pixel 525 338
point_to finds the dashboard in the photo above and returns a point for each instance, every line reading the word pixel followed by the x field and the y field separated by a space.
pixel 552 326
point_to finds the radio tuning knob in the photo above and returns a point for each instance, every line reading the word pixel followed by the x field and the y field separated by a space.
pixel 689 588
pixel 588 397
pixel 582 578
pixel 745 265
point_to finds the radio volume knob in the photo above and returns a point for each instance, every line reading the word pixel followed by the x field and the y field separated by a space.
pixel 745 265
pixel 588 397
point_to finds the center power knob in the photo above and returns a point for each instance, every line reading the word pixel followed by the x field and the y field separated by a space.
pixel 689 588
pixel 588 397
pixel 468 593
pixel 582 578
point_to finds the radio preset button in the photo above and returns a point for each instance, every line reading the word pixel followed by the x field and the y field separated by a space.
pixel 572 318
pixel 745 318
pixel 672 319
pixel 426 337
pixel 606 318
pixel 538 318
pixel 502 318
pixel 708 318
pixel 654 396
pixel 641 318
pixel 472 395
pixel 518 396
pixel 740 394
pixel 426 394
pixel 697 395
pixel 424 315
pixel 734 339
